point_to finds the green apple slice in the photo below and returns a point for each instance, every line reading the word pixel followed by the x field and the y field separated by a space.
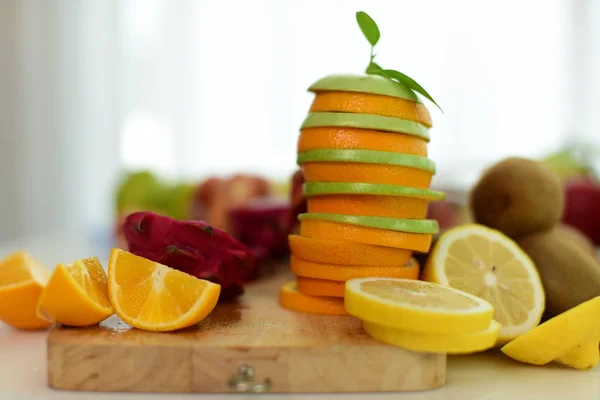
pixel 363 83
pixel 312 189
pixel 366 156
pixel 426 226
pixel 365 121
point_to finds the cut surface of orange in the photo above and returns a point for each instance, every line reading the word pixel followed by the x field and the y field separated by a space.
pixel 292 299
pixel 22 280
pixel 76 294
pixel 326 230
pixel 368 103
pixel 346 253
pixel 366 139
pixel 320 287
pixel 376 206
pixel 368 173
pixel 154 297
pixel 342 273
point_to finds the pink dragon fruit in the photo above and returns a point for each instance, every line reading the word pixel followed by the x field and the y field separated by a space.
pixel 193 247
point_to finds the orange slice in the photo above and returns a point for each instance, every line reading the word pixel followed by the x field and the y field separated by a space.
pixel 22 280
pixel 368 103
pixel 354 138
pixel 368 173
pixel 376 206
pixel 326 230
pixel 346 253
pixel 154 297
pixel 76 294
pixel 290 298
pixel 320 287
pixel 309 269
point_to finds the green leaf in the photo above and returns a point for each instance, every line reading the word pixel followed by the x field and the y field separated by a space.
pixel 368 27
pixel 374 69
pixel 408 82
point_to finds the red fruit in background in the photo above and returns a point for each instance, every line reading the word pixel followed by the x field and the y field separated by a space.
pixel 582 207
pixel 193 247
pixel 297 199
pixel 262 225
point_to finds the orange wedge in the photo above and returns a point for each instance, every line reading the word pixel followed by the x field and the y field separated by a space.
pixel 290 298
pixel 326 230
pixel 309 269
pixel 76 294
pixel 376 206
pixel 368 173
pixel 368 103
pixel 154 297
pixel 346 253
pixel 320 287
pixel 355 138
pixel 22 280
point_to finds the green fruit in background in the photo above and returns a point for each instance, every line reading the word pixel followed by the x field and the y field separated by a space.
pixel 363 83
pixel 312 189
pixel 366 156
pixel 566 165
pixel 138 190
pixel 427 226
pixel 365 121
pixel 177 200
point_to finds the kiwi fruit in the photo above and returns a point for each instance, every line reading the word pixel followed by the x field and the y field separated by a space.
pixel 576 236
pixel 518 197
pixel 570 275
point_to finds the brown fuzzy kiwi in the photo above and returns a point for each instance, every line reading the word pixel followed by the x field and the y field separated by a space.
pixel 518 197
pixel 570 274
pixel 569 232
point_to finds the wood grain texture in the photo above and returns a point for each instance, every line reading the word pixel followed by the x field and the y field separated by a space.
pixel 299 352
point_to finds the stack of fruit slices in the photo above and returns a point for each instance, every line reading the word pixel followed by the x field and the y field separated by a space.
pixel 363 152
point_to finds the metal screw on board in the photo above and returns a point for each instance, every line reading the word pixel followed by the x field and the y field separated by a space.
pixel 244 381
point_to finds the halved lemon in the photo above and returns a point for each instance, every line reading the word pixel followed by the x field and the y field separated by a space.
pixel 76 294
pixel 488 264
pixel 154 297
pixel 416 306
pixel 462 343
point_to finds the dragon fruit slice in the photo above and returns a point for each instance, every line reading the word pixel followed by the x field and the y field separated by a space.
pixel 193 247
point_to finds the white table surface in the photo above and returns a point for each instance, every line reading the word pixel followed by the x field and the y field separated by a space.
pixel 489 376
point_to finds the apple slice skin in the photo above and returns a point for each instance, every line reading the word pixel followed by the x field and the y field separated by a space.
pixel 312 189
pixel 366 156
pixel 365 84
pixel 425 226
pixel 365 121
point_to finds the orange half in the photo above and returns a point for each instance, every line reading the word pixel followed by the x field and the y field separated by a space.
pixel 343 273
pixel 367 173
pixel 361 234
pixel 292 299
pixel 355 138
pixel 346 253
pixel 376 206
pixel 368 103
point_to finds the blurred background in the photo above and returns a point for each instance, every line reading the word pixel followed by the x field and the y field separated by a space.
pixel 92 90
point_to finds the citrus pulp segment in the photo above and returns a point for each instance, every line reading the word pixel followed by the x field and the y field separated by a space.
pixel 365 121
pixel 368 103
pixel 152 296
pixel 416 306
pixel 346 253
pixel 461 343
pixel 363 139
pixel 290 298
pixel 333 272
pixel 76 294
pixel 488 264
pixel 327 230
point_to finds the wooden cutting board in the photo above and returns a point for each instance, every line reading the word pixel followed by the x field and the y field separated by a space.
pixel 250 345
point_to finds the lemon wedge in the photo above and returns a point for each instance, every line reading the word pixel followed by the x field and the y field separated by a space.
pixel 486 263
pixel 416 306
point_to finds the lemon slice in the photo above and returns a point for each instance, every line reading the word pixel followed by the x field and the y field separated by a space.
pixel 488 264
pixel 416 306
pixel 462 343
pixel 558 338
